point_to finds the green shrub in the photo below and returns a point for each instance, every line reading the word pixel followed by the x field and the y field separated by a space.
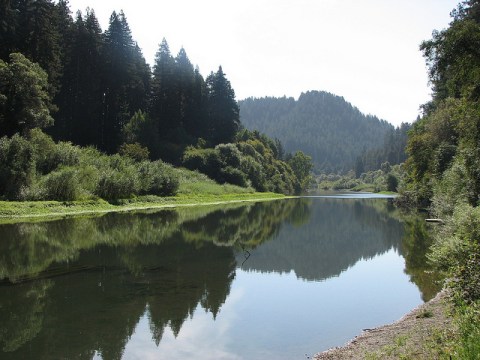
pixel 254 172
pixel 392 182
pixel 61 185
pixel 158 178
pixel 468 347
pixel 194 159
pixel 229 154
pixel 114 184
pixel 17 166
pixel 134 151
pixel 457 251
pixel 234 176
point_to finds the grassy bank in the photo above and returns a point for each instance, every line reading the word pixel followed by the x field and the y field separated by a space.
pixel 15 211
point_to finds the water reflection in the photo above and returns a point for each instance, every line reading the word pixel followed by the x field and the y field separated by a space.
pixel 79 287
pixel 334 238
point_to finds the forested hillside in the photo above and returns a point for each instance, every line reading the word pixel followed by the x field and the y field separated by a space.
pixel 323 125
pixel 91 88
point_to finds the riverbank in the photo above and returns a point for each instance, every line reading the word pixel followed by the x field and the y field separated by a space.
pixel 16 211
pixel 414 336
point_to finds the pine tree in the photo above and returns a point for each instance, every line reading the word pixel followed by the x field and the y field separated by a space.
pixel 38 37
pixel 81 96
pixel 223 112
pixel 126 82
pixel 164 100
pixel 8 25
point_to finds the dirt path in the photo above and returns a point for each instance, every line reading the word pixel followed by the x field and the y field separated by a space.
pixel 411 337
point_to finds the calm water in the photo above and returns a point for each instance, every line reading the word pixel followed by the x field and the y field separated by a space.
pixel 280 280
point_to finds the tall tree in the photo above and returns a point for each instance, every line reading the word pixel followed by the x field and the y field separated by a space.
pixel 24 100
pixel 185 84
pixel 164 100
pixel 81 97
pixel 223 112
pixel 38 37
pixel 125 88
pixel 8 26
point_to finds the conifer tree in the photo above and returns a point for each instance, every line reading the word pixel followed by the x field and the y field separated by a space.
pixel 125 83
pixel 81 97
pixel 223 112
pixel 164 105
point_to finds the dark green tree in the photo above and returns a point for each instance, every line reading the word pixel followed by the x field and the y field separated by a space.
pixel 37 36
pixel 302 166
pixel 8 26
pixel 164 104
pixel 223 111
pixel 81 98
pixel 126 83
pixel 24 99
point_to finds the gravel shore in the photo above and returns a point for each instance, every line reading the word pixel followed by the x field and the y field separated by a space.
pixel 409 337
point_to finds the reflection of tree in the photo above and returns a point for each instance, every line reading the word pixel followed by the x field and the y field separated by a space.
pixel 19 327
pixel 415 245
pixel 248 225
pixel 84 283
pixel 338 234
pixel 104 273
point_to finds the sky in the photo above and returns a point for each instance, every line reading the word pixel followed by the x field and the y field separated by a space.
pixel 364 50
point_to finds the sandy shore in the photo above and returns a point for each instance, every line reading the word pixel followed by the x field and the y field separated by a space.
pixel 408 338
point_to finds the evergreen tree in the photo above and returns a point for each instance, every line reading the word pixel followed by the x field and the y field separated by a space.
pixel 81 97
pixel 8 25
pixel 185 75
pixel 164 104
pixel 125 82
pixel 38 37
pixel 223 111
pixel 196 121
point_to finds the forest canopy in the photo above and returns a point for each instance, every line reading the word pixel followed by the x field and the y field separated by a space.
pixel 328 128
pixel 93 88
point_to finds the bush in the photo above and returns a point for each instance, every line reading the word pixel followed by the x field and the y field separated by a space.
pixel 457 251
pixel 50 156
pixel 229 154
pixel 194 159
pixel 234 176
pixel 134 151
pixel 158 178
pixel 17 166
pixel 114 184
pixel 392 183
pixel 61 185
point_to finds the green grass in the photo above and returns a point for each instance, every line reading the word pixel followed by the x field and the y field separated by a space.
pixel 365 187
pixel 194 189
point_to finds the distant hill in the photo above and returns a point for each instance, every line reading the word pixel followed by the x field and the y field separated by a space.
pixel 320 124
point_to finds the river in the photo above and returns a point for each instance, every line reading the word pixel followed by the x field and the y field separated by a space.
pixel 283 279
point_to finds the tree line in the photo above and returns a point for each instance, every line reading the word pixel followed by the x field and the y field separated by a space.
pixel 99 80
pixel 62 73
pixel 334 132
pixel 443 165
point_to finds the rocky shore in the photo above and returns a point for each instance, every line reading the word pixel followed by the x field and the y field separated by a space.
pixel 411 337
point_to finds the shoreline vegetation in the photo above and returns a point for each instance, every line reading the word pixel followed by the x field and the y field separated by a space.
pixel 20 211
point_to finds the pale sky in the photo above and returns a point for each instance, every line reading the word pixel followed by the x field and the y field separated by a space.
pixel 363 50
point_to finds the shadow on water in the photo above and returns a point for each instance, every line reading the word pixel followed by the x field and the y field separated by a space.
pixel 78 287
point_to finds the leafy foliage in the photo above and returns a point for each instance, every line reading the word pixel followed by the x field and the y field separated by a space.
pixel 102 93
pixel 40 169
pixel 24 97
pixel 251 160
pixel 443 167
